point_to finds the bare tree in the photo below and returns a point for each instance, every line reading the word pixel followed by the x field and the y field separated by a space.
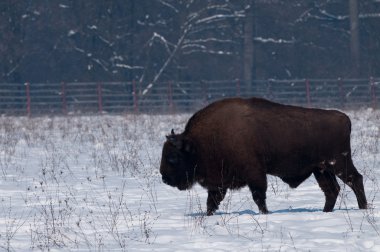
pixel 205 31
pixel 248 45
pixel 188 40
pixel 355 43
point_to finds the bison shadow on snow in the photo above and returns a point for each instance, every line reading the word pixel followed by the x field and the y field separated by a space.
pixel 236 142
pixel 281 211
pixel 251 212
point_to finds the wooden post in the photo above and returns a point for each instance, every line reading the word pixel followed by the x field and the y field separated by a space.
pixel 170 96
pixel 238 91
pixel 269 92
pixel 63 98
pixel 307 83
pixel 100 99
pixel 28 100
pixel 135 98
pixel 373 92
pixel 204 90
pixel 341 94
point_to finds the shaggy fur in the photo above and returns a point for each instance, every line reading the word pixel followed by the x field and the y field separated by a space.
pixel 236 142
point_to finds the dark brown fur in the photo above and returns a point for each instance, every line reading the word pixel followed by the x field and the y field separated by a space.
pixel 237 142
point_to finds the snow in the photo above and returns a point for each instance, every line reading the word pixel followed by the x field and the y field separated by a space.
pixel 71 33
pixel 276 41
pixel 93 183
pixel 128 66
pixel 147 88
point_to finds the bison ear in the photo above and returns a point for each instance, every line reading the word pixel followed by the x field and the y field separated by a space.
pixel 188 146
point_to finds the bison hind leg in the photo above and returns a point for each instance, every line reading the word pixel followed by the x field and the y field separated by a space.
pixel 259 196
pixel 350 176
pixel 327 182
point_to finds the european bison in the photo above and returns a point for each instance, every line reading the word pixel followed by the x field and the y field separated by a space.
pixel 236 142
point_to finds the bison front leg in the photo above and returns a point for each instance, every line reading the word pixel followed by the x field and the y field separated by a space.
pixel 213 200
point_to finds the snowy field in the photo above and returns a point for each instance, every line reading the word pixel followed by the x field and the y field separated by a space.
pixel 92 183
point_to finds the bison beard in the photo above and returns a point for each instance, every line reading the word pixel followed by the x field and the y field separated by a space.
pixel 237 142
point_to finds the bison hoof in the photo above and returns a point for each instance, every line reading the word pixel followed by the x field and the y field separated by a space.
pixel 363 206
pixel 210 212
pixel 263 210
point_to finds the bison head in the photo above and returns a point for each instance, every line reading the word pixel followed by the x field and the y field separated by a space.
pixel 177 162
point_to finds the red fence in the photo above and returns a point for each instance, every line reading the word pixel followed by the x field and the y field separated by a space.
pixel 169 97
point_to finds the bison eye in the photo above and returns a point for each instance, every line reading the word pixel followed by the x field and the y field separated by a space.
pixel 172 159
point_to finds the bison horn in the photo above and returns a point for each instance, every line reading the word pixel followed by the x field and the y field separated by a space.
pixel 175 140
pixel 171 137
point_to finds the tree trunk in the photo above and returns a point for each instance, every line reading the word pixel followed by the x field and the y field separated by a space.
pixel 355 43
pixel 248 47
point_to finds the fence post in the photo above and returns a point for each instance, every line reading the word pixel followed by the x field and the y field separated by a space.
pixel 135 98
pixel 373 92
pixel 307 83
pixel 28 100
pixel 204 90
pixel 170 96
pixel 269 92
pixel 238 87
pixel 341 95
pixel 63 96
pixel 100 99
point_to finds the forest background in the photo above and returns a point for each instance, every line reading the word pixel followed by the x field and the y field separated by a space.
pixel 187 40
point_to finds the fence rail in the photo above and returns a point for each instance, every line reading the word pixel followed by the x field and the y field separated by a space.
pixel 170 97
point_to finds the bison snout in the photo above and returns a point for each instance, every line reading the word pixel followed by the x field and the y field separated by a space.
pixel 167 180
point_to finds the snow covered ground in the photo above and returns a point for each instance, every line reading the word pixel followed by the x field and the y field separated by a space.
pixel 93 183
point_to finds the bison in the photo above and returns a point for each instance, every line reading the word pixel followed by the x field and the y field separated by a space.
pixel 236 142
